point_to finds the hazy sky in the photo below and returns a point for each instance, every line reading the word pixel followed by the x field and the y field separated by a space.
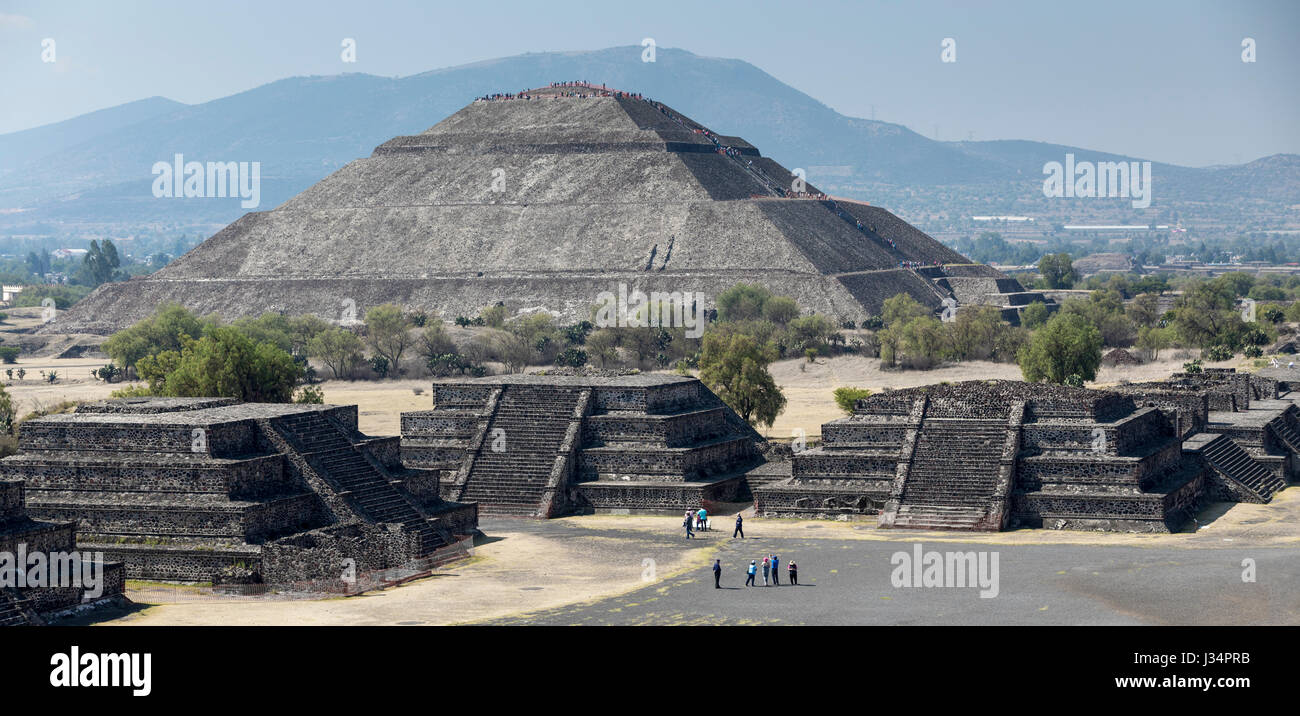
pixel 1160 80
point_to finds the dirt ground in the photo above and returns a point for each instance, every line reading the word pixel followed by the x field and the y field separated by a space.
pixel 520 569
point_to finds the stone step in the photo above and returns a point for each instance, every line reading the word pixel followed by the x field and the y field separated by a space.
pixel 341 463
pixel 1237 465
pixel 535 422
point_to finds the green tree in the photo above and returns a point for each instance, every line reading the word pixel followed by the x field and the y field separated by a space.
pixel 974 331
pixel 902 308
pixel 1068 345
pixel 602 346
pixel 1058 270
pixel 434 341
pixel 810 332
pixel 1154 339
pixel 388 330
pixel 780 310
pixel 309 395
pixel 1144 310
pixel 166 330
pixel 494 316
pixel 922 342
pixel 226 363
pixel 338 348
pixel 1034 315
pixel 742 302
pixel 100 263
pixel 1206 315
pixel 1105 310
pixel 735 367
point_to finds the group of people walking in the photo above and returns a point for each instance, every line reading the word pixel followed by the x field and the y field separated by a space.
pixel 699 520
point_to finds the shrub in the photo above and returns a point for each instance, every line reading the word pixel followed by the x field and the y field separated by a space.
pixel 783 309
pixel 379 365
pixel 743 301
pixel 309 394
pixel 109 373
pixel 1218 353
pixel 9 354
pixel 448 364
pixel 494 316
pixel 848 397
pixel 7 412
pixel 572 357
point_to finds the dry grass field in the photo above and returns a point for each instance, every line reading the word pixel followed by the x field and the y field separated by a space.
pixel 808 387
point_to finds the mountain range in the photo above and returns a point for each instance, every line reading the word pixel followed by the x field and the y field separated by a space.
pixel 96 168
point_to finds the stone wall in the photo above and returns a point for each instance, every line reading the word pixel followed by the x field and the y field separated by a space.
pixel 637 438
pixel 134 478
pixel 1076 458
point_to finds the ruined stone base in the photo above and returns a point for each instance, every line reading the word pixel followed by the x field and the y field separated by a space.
pixel 646 497
pixel 818 502
pixel 1088 524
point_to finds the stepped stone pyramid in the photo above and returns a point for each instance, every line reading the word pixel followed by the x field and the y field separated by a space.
pixel 31 605
pixel 213 490
pixel 985 455
pixel 546 445
pixel 545 200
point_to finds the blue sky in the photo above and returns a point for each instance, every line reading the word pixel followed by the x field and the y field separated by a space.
pixel 1161 80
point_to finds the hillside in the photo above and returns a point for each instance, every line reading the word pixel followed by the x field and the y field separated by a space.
pixel 95 168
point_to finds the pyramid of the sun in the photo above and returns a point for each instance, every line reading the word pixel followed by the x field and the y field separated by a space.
pixel 542 202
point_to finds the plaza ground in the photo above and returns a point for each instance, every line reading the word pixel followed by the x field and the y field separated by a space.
pixel 624 569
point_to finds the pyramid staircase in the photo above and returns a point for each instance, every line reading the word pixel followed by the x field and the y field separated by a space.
pixel 1287 434
pixel 14 610
pixel 952 481
pixel 1236 465
pixel 513 480
pixel 332 454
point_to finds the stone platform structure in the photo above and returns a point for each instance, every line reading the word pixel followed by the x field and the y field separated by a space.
pixel 980 285
pixel 1259 424
pixel 213 490
pixel 988 455
pixel 19 533
pixel 546 445
pixel 545 201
